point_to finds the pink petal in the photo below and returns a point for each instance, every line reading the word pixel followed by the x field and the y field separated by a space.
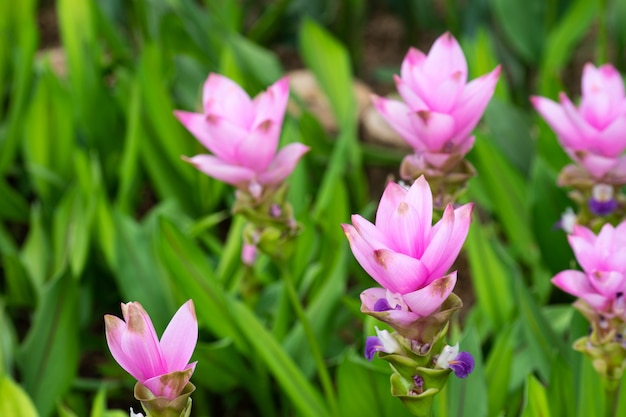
pixel 400 273
pixel 215 133
pixel 411 67
pixel 606 79
pixel 409 95
pixel 436 257
pixel 607 283
pixel 397 115
pixel 140 343
pixel 283 164
pixel 596 165
pixel 554 115
pixel 223 97
pixel 433 130
pixel 180 337
pixel 420 196
pixel 612 141
pixel 445 95
pixel 406 230
pixel 393 195
pixel 373 234
pixel 427 300
pixel 223 171
pixel 444 58
pixel 401 317
pixel 271 104
pixel 257 149
pixel 472 103
pixel 577 284
pixel 586 132
pixel 114 331
pixel 584 252
pixel 170 386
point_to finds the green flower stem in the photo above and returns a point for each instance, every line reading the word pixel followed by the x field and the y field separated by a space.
pixel 322 370
pixel 611 396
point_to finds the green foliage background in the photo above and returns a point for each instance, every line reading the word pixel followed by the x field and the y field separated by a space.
pixel 96 206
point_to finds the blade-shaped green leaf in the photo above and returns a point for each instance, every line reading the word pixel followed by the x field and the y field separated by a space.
pixel 49 357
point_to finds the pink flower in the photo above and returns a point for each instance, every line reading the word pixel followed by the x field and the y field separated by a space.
pixel 135 346
pixel 242 134
pixel 602 285
pixel 440 108
pixel 593 134
pixel 405 254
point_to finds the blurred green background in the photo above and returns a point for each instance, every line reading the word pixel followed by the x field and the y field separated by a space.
pixel 97 207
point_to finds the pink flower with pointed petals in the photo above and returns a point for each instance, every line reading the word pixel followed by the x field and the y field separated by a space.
pixel 135 346
pixel 602 285
pixel 242 135
pixel 405 254
pixel 592 134
pixel 440 108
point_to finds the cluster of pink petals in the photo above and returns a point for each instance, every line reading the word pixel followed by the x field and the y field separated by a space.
pixel 602 285
pixel 242 134
pixel 405 254
pixel 594 134
pixel 440 108
pixel 134 344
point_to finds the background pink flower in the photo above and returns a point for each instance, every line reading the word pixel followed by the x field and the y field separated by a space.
pixel 440 108
pixel 593 134
pixel 603 259
pixel 242 134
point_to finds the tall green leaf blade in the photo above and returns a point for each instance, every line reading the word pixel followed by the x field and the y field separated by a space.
pixel 14 401
pixel 304 397
pixel 49 357
pixel 536 399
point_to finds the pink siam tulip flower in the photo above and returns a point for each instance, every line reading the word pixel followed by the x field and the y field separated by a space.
pixel 406 255
pixel 135 346
pixel 440 108
pixel 602 285
pixel 242 134
pixel 592 134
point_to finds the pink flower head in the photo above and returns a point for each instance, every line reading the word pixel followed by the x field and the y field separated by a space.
pixel 135 346
pixel 602 285
pixel 405 254
pixel 592 134
pixel 242 134
pixel 440 108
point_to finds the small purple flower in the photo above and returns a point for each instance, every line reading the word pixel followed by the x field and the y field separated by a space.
pixel 602 202
pixel 461 363
pixel 383 342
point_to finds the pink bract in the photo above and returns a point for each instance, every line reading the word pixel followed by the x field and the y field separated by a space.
pixel 440 107
pixel 135 346
pixel 242 134
pixel 602 257
pixel 405 254
pixel 592 134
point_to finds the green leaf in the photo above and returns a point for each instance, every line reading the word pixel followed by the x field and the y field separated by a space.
pixel 305 398
pixel 561 43
pixel 468 397
pixel 536 399
pixel 35 253
pixel 522 22
pixel 137 274
pixel 507 191
pixel 490 275
pixel 363 390
pixel 220 367
pixel 49 357
pixel 191 276
pixel 330 63
pixel 14 401
pixel 14 206
pixel 498 371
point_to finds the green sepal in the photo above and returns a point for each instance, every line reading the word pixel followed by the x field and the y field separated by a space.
pixel 419 401
pixel 164 407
